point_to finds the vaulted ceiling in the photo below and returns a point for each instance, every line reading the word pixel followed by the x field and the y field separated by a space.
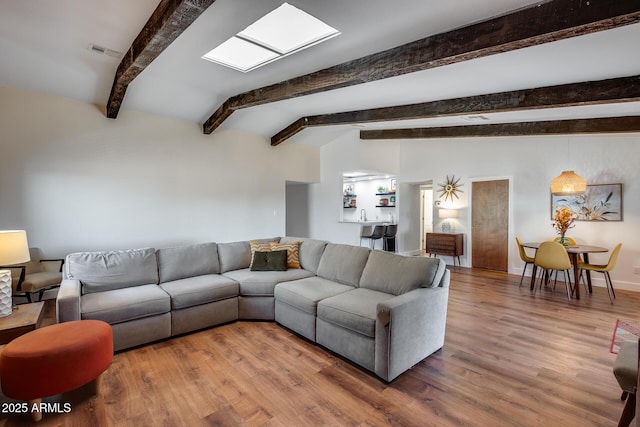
pixel 476 61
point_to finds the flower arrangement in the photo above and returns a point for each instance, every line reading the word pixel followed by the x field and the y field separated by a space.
pixel 564 220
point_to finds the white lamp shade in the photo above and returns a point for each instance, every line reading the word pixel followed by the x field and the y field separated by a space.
pixel 448 213
pixel 568 183
pixel 14 248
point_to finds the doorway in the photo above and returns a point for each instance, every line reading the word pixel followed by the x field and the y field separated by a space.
pixel 426 213
pixel 490 224
pixel 297 209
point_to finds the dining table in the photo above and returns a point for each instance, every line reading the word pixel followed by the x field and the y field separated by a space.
pixel 574 252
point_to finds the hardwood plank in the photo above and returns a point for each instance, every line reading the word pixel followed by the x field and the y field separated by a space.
pixel 624 89
pixel 168 21
pixel 511 358
pixel 624 124
pixel 541 23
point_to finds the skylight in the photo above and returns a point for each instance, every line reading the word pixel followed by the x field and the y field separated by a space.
pixel 279 33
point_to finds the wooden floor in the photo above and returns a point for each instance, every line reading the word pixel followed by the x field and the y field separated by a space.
pixel 510 358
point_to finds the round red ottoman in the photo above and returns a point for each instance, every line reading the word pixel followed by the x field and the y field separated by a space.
pixel 55 359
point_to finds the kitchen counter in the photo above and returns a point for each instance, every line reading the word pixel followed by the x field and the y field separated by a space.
pixel 356 238
pixel 375 222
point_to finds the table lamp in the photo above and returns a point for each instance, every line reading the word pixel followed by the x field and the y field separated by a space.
pixel 14 249
pixel 447 213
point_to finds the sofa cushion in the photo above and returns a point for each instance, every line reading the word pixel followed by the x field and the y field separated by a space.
pixel 122 305
pixel 237 255
pixel 399 274
pixel 199 290
pixel 304 294
pixel 311 251
pixel 261 283
pixel 269 261
pixel 355 310
pixel 182 262
pixel 108 270
pixel 343 263
pixel 258 246
pixel 293 252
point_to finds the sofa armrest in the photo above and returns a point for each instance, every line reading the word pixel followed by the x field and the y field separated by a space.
pixel 68 301
pixel 446 279
pixel 409 328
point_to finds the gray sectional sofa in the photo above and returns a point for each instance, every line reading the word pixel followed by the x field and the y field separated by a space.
pixel 383 311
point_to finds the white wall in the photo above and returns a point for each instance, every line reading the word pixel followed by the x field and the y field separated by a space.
pixel 76 180
pixel 345 154
pixel 530 163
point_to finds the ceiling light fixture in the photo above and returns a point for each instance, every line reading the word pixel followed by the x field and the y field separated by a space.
pixel 279 33
pixel 568 183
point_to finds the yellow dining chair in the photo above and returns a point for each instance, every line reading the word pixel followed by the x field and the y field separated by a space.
pixel 571 243
pixel 524 257
pixel 604 269
pixel 551 256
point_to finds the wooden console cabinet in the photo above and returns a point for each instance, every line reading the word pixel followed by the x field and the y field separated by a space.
pixel 449 244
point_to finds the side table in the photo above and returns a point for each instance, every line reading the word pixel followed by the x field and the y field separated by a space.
pixel 24 318
pixel 449 244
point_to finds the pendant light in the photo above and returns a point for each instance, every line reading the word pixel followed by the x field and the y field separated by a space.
pixel 568 183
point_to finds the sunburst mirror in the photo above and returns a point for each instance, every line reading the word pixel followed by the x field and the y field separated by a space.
pixel 450 188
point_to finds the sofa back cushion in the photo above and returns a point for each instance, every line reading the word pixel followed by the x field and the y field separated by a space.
pixel 237 255
pixel 310 251
pixel 182 262
pixel 343 263
pixel 399 274
pixel 108 270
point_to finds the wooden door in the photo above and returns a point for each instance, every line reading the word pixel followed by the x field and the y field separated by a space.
pixel 490 224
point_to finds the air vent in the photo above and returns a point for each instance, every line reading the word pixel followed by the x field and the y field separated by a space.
pixel 476 118
pixel 100 50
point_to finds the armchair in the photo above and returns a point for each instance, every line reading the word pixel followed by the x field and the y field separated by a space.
pixel 37 275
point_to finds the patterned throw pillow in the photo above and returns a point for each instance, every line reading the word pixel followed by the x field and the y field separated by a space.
pixel 259 246
pixel 293 252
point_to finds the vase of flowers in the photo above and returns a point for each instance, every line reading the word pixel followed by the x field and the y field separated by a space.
pixel 562 221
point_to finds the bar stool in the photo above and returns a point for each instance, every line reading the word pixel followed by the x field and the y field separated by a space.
pixel 365 232
pixel 389 238
pixel 376 234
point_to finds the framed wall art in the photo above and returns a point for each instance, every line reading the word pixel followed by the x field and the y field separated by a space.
pixel 601 202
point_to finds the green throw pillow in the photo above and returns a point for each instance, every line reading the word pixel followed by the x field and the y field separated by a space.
pixel 269 261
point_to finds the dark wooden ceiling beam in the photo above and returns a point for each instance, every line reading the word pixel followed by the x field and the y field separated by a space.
pixel 623 89
pixel 542 23
pixel 167 22
pixel 624 124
